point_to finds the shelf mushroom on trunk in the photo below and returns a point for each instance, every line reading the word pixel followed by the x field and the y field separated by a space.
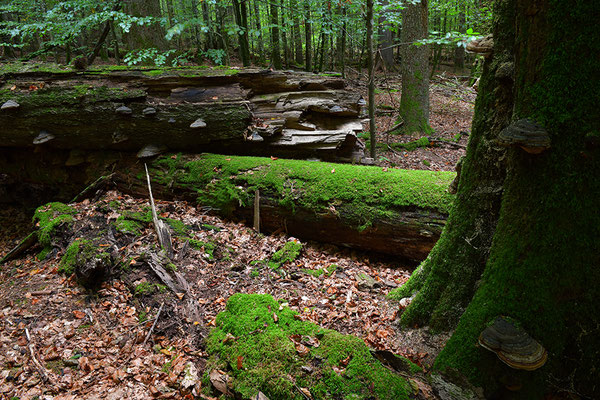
pixel 513 345
pixel 527 134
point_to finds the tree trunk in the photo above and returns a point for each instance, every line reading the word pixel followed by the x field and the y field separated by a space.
pixel 259 39
pixel 284 36
pixel 239 11
pixel 414 103
pixel 297 35
pixel 459 51
pixel 275 53
pixel 147 36
pixel 308 36
pixel 371 68
pixel 387 40
pixel 521 240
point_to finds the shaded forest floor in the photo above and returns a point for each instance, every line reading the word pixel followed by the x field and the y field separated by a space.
pixel 91 345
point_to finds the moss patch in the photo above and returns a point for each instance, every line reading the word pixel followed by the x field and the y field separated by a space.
pixel 50 218
pixel 288 253
pixel 269 342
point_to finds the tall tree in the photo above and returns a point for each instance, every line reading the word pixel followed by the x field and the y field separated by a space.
pixel 308 36
pixel 371 67
pixel 522 238
pixel 275 53
pixel 414 103
pixel 148 35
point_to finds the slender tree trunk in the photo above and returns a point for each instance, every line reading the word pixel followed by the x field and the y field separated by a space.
pixel 308 36
pixel 414 103
pixel 259 39
pixel 520 241
pixel 275 53
pixel 387 51
pixel 284 39
pixel 370 66
pixel 239 10
pixel 210 44
pixel 459 51
pixel 343 44
pixel 297 35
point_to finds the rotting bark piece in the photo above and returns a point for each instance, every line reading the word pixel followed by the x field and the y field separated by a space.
pixel 513 345
pixel 527 134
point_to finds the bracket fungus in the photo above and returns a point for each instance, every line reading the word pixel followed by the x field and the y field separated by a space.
pixel 512 345
pixel 483 46
pixel 149 112
pixel 124 110
pixel 43 137
pixel 10 105
pixel 199 123
pixel 527 134
pixel 151 150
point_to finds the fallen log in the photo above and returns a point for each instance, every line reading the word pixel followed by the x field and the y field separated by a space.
pixel 244 111
pixel 394 212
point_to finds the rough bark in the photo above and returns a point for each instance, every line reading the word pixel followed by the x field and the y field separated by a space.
pixel 275 52
pixel 414 103
pixel 148 35
pixel 537 259
pixel 245 111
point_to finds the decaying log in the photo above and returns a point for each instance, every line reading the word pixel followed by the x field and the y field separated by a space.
pixel 354 206
pixel 245 111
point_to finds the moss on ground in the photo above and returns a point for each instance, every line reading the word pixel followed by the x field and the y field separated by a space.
pixel 268 340
pixel 359 195
pixel 206 247
pixel 49 218
pixel 288 253
pixel 134 222
pixel 73 255
pixel 317 273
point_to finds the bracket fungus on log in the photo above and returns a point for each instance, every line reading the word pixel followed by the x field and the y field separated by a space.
pixel 43 137
pixel 512 345
pixel 124 110
pixel 483 46
pixel 151 150
pixel 527 134
pixel 199 123
pixel 10 105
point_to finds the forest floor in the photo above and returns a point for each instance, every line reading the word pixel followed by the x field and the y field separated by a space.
pixel 92 345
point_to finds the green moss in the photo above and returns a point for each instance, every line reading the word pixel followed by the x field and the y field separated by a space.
pixel 44 253
pixel 288 253
pixel 171 267
pixel 358 194
pixel 144 289
pixel 69 260
pixel 49 218
pixel 321 271
pixel 343 366
pixel 178 227
pixel 206 247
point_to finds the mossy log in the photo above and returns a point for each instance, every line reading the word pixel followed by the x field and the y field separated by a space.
pixel 394 212
pixel 243 111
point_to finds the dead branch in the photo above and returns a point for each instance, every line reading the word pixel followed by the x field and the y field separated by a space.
pixel 154 324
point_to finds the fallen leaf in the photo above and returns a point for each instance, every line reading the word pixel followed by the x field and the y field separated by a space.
pixel 78 314
pixel 240 361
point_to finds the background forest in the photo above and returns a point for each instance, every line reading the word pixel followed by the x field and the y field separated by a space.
pixel 313 35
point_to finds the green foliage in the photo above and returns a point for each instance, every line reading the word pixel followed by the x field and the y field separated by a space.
pixel 255 328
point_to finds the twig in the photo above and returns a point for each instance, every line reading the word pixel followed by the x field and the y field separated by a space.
pixel 393 128
pixel 154 324
pixel 257 211
pixel 38 365
pixel 162 230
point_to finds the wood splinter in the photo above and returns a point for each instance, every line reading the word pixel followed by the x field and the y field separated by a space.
pixel 154 324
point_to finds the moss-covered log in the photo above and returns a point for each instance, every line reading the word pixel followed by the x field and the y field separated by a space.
pixel 537 258
pixel 393 211
pixel 180 109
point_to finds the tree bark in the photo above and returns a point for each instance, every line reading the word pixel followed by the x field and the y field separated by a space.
pixel 371 68
pixel 308 36
pixel 141 37
pixel 520 240
pixel 414 103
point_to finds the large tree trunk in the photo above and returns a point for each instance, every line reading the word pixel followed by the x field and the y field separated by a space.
pixel 414 103
pixel 526 245
pixel 244 111
pixel 148 35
